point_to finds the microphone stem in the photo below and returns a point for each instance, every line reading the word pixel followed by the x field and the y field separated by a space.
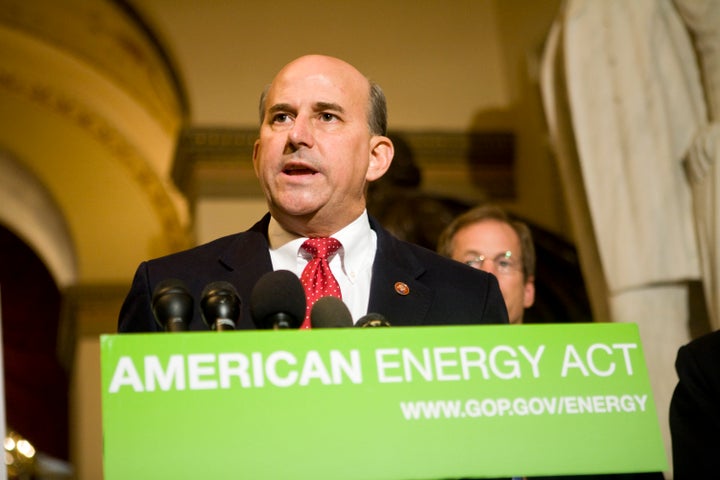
pixel 176 324
pixel 224 324
pixel 282 321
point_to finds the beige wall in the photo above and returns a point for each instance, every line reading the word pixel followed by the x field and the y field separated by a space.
pixel 446 66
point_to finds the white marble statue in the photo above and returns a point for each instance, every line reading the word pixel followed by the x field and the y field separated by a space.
pixel 630 109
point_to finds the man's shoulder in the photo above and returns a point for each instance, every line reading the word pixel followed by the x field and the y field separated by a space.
pixel 705 345
pixel 234 244
pixel 206 249
pixel 429 260
pixel 700 355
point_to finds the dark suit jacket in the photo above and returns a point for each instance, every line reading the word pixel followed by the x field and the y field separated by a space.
pixel 695 410
pixel 441 291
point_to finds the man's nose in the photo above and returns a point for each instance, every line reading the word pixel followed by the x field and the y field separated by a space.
pixel 301 133
pixel 489 267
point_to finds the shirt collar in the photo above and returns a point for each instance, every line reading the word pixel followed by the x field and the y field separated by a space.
pixel 357 238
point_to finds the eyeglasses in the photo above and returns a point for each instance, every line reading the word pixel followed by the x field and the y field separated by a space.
pixel 504 263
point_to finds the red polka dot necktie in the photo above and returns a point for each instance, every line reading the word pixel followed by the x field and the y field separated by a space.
pixel 317 279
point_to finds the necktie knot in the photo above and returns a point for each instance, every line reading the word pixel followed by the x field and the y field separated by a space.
pixel 322 247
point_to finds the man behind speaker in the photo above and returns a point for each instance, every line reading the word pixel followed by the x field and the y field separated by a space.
pixel 485 237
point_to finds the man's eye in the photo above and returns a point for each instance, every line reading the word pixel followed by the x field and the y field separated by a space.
pixel 281 118
pixel 327 117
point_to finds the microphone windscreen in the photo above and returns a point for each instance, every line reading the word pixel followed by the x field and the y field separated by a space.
pixel 330 312
pixel 172 305
pixel 220 305
pixel 278 292
pixel 372 320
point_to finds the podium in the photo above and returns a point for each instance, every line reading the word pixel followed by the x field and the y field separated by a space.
pixel 383 403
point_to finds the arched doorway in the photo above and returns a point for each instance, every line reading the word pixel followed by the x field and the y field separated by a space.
pixel 36 385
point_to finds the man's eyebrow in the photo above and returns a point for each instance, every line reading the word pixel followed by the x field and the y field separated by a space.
pixel 280 107
pixel 320 106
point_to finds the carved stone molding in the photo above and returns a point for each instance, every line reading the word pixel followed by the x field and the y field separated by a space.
pixel 113 140
pixel 111 36
pixel 471 166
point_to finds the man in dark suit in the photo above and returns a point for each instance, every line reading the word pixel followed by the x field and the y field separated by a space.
pixel 322 140
pixel 695 409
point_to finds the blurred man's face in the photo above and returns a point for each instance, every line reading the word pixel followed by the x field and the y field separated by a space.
pixel 493 246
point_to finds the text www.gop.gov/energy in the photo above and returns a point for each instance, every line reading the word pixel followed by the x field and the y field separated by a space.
pixel 523 406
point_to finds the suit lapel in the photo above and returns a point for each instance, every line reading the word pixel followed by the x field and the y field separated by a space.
pixel 396 291
pixel 247 258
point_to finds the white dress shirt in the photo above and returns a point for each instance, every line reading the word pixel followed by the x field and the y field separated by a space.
pixel 351 266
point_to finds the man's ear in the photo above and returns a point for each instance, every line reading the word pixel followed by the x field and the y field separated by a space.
pixel 529 292
pixel 381 155
pixel 256 150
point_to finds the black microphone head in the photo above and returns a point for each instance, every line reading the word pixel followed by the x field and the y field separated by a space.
pixel 372 320
pixel 278 301
pixel 220 305
pixel 172 305
pixel 330 312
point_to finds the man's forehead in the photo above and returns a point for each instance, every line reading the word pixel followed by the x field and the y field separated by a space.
pixel 312 65
pixel 490 231
pixel 316 89
pixel 317 79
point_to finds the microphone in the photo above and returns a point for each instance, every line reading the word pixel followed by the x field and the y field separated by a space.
pixel 278 301
pixel 330 312
pixel 172 305
pixel 372 320
pixel 220 306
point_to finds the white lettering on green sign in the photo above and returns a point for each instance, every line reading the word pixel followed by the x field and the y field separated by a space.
pixel 600 359
pixel 209 371
pixel 444 364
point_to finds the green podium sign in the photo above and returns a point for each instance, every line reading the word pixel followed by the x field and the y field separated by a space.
pixel 382 403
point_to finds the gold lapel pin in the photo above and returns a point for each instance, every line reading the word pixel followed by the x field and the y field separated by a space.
pixel 401 288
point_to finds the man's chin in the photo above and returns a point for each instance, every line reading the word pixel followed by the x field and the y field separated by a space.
pixel 296 209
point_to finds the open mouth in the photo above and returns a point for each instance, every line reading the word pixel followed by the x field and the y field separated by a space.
pixel 297 169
